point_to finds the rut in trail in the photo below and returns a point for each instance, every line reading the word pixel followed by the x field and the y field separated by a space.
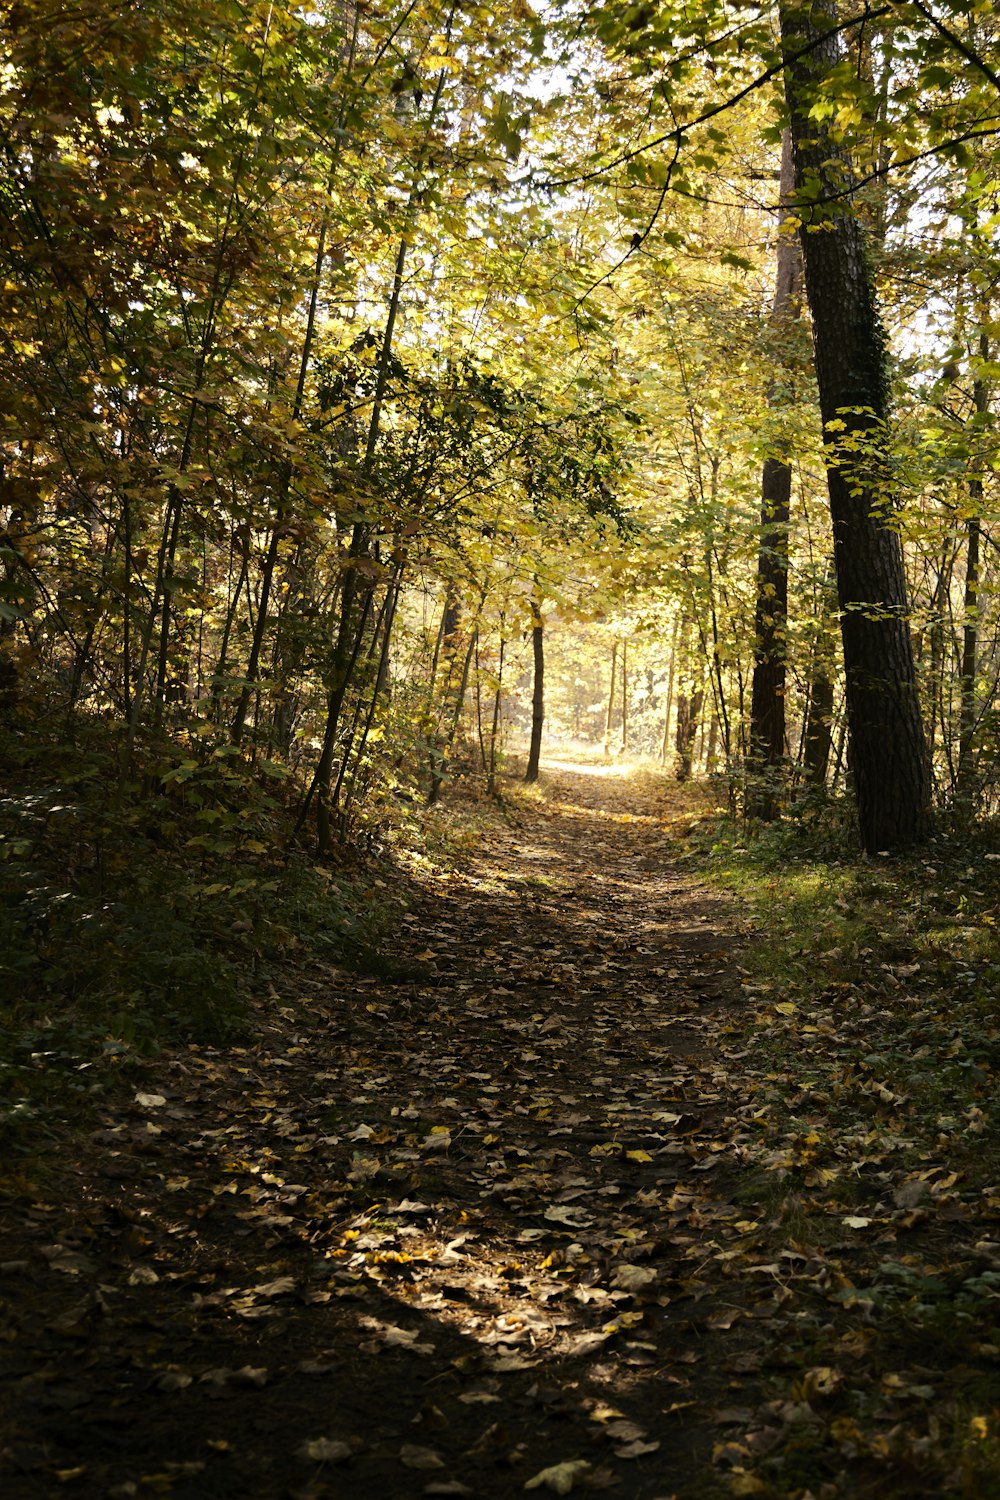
pixel 429 1237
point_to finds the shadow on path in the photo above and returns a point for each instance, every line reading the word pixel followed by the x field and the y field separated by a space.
pixel 421 1238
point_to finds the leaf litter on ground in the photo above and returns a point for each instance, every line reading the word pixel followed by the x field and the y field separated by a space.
pixel 582 1206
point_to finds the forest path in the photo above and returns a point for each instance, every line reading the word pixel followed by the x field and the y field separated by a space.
pixel 440 1235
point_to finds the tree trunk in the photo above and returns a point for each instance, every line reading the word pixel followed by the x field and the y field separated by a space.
pixel 889 759
pixel 624 739
pixel 538 690
pixel 965 791
pixel 609 719
pixel 712 748
pixel 818 735
pixel 440 770
pixel 665 745
pixel 767 693
pixel 688 715
pixel 491 765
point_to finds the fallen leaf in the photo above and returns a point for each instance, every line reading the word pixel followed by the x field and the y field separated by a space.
pixel 574 1218
pixel 633 1278
pixel 741 1483
pixel 143 1276
pixel 636 1450
pixel 282 1286
pixel 560 1478
pixel 323 1451
pixel 725 1318
pixel 622 1432
pixel 414 1457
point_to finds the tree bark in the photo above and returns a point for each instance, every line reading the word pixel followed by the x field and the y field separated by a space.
pixel 688 715
pixel 624 738
pixel 538 690
pixel 767 693
pixel 665 745
pixel 609 719
pixel 818 735
pixel 889 761
pixel 965 776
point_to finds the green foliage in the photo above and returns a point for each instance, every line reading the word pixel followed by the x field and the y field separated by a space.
pixel 141 912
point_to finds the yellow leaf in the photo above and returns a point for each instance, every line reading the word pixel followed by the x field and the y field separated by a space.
pixel 560 1477
pixel 638 1156
pixel 741 1483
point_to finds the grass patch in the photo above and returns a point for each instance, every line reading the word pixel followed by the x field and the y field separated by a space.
pixel 868 1048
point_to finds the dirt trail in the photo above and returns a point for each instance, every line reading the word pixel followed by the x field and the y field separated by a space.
pixel 435 1236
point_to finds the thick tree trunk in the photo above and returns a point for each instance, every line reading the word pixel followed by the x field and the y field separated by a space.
pixel 889 759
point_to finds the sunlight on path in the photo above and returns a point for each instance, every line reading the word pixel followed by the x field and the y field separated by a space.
pixel 447 1219
pixel 619 770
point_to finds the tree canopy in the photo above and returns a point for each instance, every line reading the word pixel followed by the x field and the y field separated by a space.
pixel 344 344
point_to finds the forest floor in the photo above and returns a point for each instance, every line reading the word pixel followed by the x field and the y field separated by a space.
pixel 556 1208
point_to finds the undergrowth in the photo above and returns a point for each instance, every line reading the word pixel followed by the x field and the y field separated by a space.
pixel 870 1041
pixel 139 910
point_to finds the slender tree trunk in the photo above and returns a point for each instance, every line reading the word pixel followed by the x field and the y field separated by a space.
pixel 665 745
pixel 437 780
pixel 841 760
pixel 538 690
pixel 940 610
pixel 624 738
pixel 610 715
pixel 712 748
pixel 965 788
pixel 346 655
pixel 714 657
pixel 445 646
pixel 381 677
pixel 491 770
pixel 688 717
pixel 889 759
pixel 358 587
pixel 818 735
pixel 767 693
pixel 817 727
